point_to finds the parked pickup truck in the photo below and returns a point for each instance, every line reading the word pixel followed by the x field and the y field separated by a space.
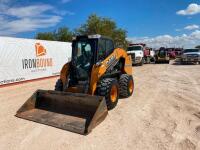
pixel 190 56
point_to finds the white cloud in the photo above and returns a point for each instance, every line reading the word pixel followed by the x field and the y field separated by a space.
pixel 65 1
pixel 192 9
pixel 64 12
pixel 177 30
pixel 28 11
pixel 26 24
pixel 187 41
pixel 191 27
pixel 15 19
pixel 196 35
pixel 4 1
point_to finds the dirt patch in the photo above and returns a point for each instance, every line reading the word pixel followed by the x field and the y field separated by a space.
pixel 187 145
pixel 197 115
pixel 161 114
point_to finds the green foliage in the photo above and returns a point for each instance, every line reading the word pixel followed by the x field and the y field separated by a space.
pixel 198 46
pixel 45 36
pixel 104 26
pixel 62 34
pixel 93 25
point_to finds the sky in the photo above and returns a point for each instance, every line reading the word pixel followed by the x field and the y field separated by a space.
pixel 170 23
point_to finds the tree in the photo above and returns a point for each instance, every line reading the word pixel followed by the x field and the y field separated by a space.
pixel 93 25
pixel 62 34
pixel 198 46
pixel 45 36
pixel 106 27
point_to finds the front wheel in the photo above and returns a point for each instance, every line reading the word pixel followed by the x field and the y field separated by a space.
pixel 59 85
pixel 142 62
pixel 183 62
pixel 126 85
pixel 109 88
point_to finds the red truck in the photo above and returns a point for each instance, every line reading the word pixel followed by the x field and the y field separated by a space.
pixel 171 53
pixel 148 55
pixel 174 52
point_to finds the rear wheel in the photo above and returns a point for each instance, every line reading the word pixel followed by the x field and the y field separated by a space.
pixel 126 85
pixel 59 85
pixel 109 88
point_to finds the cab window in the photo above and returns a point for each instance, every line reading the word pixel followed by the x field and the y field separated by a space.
pixel 102 50
pixel 83 52
pixel 109 47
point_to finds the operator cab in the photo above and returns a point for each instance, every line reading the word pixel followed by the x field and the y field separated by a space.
pixel 87 51
pixel 163 52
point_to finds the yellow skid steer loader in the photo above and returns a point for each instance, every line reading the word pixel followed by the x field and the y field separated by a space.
pixel 89 85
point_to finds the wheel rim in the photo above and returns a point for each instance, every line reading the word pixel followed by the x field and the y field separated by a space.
pixel 130 86
pixel 113 93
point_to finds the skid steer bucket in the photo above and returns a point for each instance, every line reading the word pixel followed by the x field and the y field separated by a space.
pixel 74 112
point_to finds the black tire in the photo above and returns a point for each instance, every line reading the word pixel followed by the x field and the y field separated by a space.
pixel 124 81
pixel 59 85
pixel 104 89
pixel 158 62
pixel 152 60
pixel 183 63
pixel 141 63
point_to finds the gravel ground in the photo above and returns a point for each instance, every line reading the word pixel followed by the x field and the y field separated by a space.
pixel 163 113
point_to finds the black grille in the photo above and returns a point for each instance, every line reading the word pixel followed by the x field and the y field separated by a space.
pixel 133 56
pixel 192 56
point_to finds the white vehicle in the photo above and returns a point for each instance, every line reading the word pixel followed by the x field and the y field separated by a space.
pixel 152 54
pixel 137 54
pixel 190 56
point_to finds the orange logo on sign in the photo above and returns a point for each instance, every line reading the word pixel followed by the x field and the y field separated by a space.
pixel 40 50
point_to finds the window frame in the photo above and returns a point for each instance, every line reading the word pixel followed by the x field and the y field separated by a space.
pixel 107 50
pixel 104 46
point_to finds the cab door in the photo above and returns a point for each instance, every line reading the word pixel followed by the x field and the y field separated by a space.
pixel 106 47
